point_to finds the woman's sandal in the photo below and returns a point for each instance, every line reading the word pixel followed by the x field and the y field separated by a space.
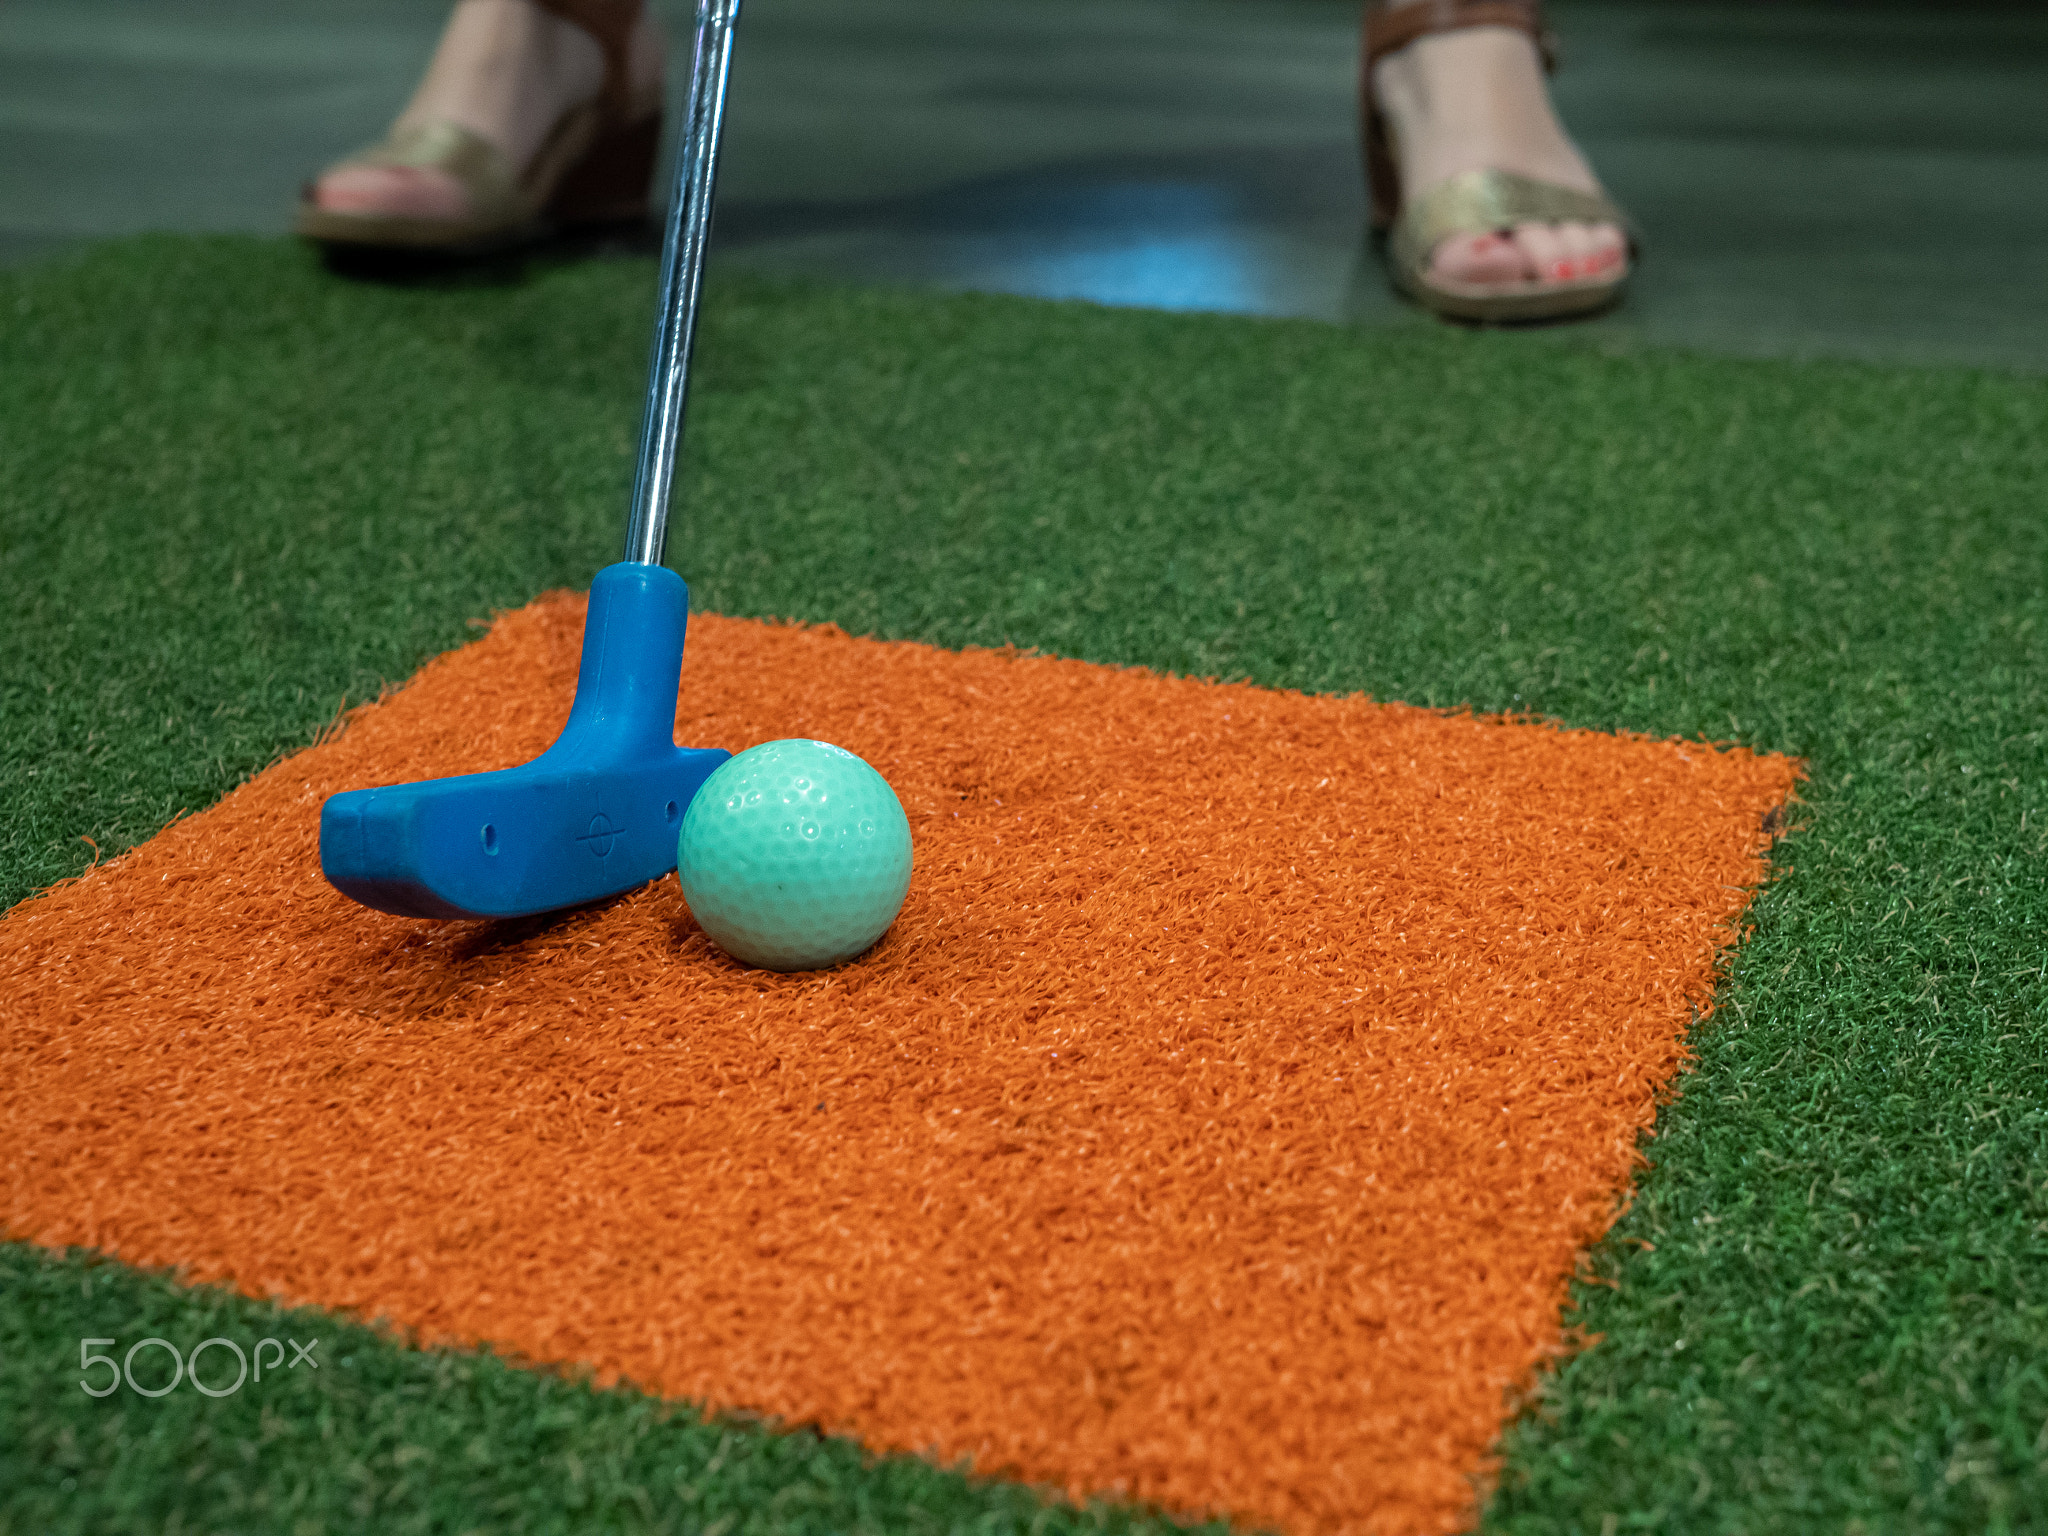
pixel 1473 202
pixel 593 167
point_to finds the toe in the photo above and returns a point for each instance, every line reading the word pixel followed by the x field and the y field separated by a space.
pixel 1546 256
pixel 1578 250
pixel 1483 258
pixel 1610 249
pixel 1570 251
pixel 387 191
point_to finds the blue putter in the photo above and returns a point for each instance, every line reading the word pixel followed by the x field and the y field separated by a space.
pixel 598 813
pixel 595 814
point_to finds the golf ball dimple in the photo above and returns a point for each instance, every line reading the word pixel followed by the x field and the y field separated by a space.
pixel 795 855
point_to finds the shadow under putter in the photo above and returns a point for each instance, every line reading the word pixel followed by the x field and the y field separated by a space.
pixel 598 813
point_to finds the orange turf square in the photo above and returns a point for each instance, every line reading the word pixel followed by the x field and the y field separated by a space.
pixel 1219 1124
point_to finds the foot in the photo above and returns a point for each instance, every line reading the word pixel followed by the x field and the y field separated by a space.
pixel 1474 99
pixel 506 70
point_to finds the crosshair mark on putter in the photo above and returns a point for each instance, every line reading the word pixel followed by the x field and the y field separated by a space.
pixel 601 836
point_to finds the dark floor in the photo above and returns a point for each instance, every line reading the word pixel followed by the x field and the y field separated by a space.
pixel 1867 181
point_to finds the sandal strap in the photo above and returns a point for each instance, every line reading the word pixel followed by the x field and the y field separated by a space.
pixel 1390 28
pixel 473 161
pixel 1484 202
pixel 610 24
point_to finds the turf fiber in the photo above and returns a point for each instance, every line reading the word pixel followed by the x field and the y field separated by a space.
pixel 238 491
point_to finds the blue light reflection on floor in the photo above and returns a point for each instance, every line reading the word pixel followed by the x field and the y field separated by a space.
pixel 1162 245
pixel 1150 242
pixel 1191 272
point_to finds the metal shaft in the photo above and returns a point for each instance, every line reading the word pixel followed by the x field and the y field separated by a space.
pixel 682 278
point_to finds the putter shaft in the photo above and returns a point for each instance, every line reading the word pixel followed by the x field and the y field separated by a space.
pixel 682 280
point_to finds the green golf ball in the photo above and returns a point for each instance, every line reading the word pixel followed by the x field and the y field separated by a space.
pixel 794 855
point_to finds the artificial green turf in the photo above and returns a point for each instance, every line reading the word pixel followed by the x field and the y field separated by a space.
pixel 236 489
pixel 362 1436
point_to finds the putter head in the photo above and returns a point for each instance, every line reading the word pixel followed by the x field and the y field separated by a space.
pixel 596 814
